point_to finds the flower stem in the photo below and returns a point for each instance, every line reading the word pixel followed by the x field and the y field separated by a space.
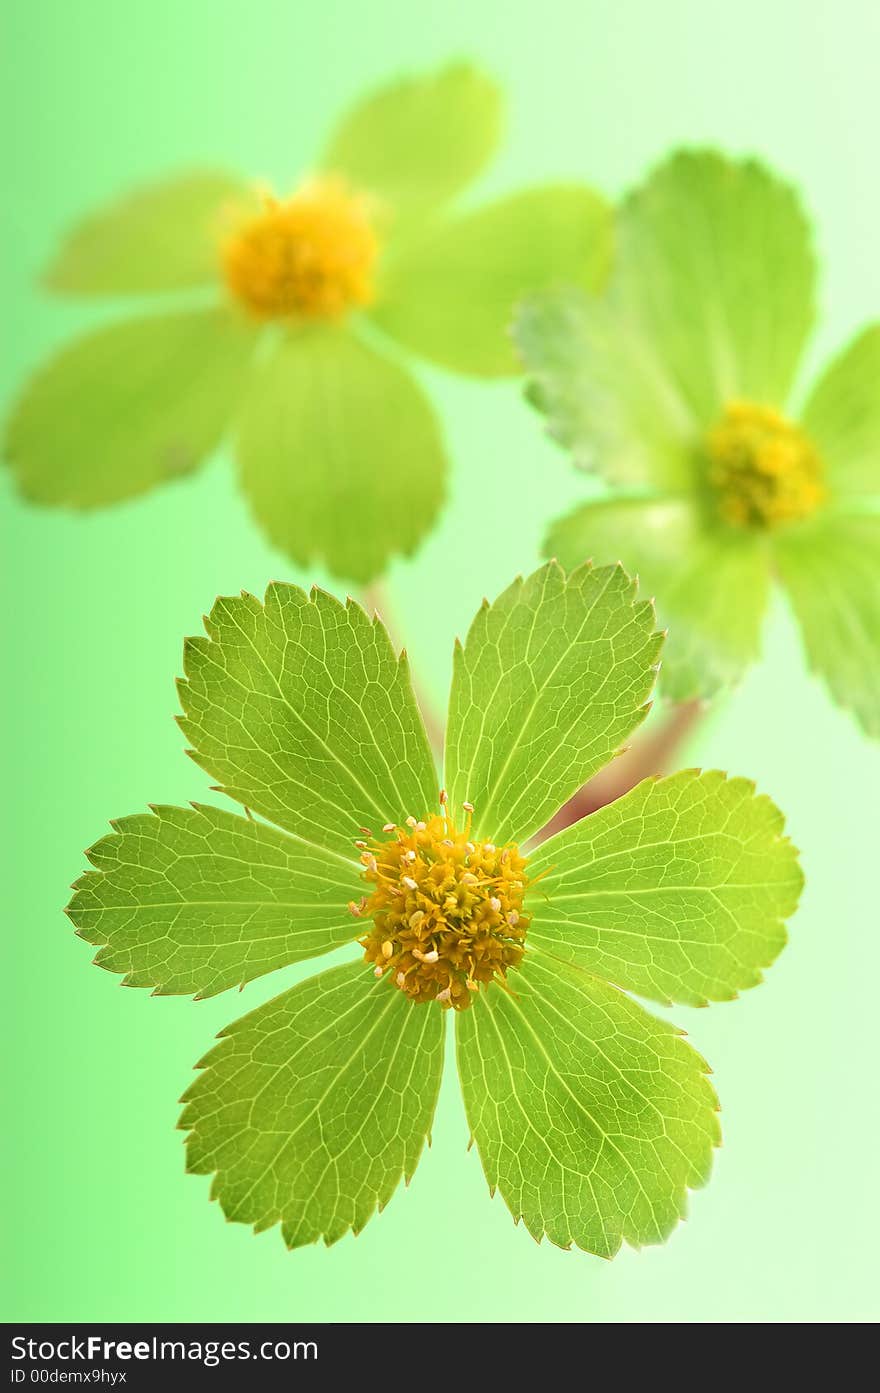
pixel 374 598
pixel 652 754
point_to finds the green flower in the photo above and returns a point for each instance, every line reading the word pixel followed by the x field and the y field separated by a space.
pixel 591 1117
pixel 674 385
pixel 288 322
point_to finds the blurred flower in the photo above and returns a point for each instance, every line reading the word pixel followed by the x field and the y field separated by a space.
pixel 294 342
pixel 675 385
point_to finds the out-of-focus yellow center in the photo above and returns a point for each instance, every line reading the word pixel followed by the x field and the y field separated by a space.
pixel 765 470
pixel 447 911
pixel 313 254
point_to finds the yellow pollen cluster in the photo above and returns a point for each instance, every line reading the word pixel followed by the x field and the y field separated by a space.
pixel 311 255
pixel 447 911
pixel 765 469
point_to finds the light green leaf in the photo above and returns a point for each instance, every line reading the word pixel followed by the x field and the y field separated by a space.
pixel 553 677
pixel 197 900
pixel 128 407
pixel 677 891
pixel 716 263
pixel 314 1107
pixel 301 709
pixel 591 1117
pixel 595 379
pixel 340 454
pixel 449 293
pixel 163 237
pixel 842 416
pixel 419 141
pixel 711 584
pixel 831 570
pixel 710 300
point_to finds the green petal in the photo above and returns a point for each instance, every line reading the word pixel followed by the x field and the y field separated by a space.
pixel 831 570
pixel 595 380
pixel 711 299
pixel 197 900
pixel 340 454
pixel 711 585
pixel 163 237
pixel 128 407
pixel 716 258
pixel 303 712
pixel 552 679
pixel 419 141
pixel 842 416
pixel 449 294
pixel 677 891
pixel 591 1117
pixel 314 1107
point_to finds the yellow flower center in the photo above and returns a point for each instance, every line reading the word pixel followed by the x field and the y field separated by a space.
pixel 447 911
pixel 312 255
pixel 764 468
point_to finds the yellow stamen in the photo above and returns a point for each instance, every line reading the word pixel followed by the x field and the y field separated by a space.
pixel 312 255
pixel 765 469
pixel 447 912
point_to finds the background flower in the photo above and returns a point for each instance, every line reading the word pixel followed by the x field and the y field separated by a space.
pixel 674 386
pixel 591 1117
pixel 294 315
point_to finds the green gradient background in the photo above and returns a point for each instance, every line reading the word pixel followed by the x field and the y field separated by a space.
pixel 103 1222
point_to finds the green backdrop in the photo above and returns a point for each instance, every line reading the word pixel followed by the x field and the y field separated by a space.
pixel 103 1222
